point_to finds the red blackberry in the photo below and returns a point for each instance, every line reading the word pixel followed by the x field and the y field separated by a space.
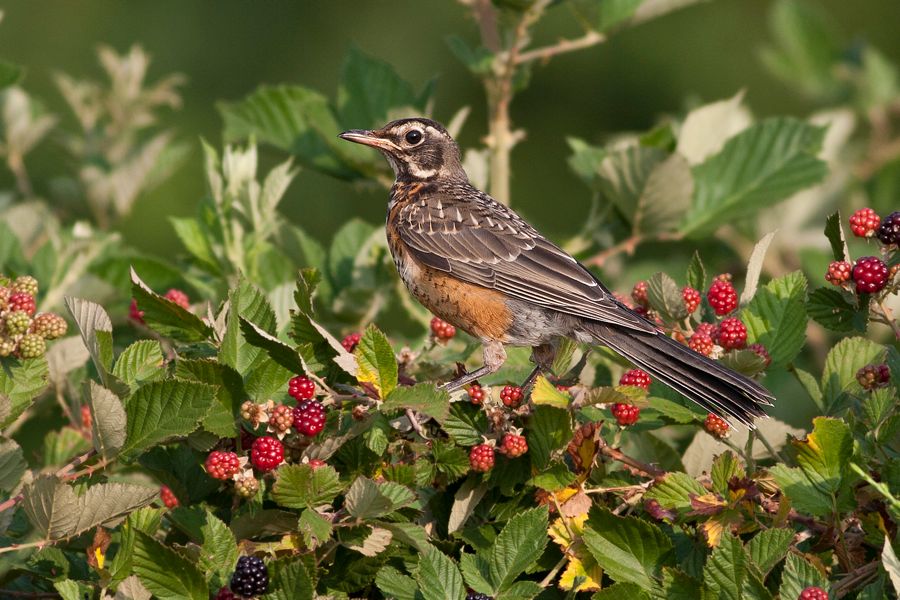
pixel 481 458
pixel 309 417
pixel 813 593
pixel 701 342
pixel 351 341
pixel 87 420
pixel 870 275
pixel 476 394
pixel 839 272
pixel 514 445
pixel 639 294
pixel 442 330
pixel 251 577
pixel 21 301
pixel 864 222
pixel 179 298
pixel 225 594
pixel 168 497
pixel 889 231
pixel 762 352
pixel 266 453
pixel 731 334
pixel 872 377
pixel 315 463
pixel 707 328
pixel 222 465
pixel 511 395
pixel 302 387
pixel 691 298
pixel 636 378
pixel 722 295
pixel 135 313
pixel 281 419
pixel 625 414
pixel 716 426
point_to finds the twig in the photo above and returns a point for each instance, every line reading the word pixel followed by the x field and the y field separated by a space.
pixel 855 578
pixel 889 318
pixel 63 473
pixel 591 38
pixel 15 547
pixel 635 464
pixel 414 421
pixel 552 574
pixel 10 502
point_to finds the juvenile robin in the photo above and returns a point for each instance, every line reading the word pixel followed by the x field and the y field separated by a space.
pixel 478 265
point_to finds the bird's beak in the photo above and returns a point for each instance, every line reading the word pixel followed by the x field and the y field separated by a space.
pixel 367 138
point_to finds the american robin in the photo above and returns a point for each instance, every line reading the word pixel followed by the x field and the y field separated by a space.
pixel 478 265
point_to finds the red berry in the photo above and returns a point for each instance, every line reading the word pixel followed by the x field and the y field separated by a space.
pixel 722 296
pixel 315 463
pixel 872 377
pixel 813 593
pixel 514 445
pixel 87 419
pixel 701 342
pixel 302 388
pixel 222 465
pixel 716 426
pixel 838 272
pixel 511 395
pixel 21 301
pixel 178 297
pixel 636 378
pixel 707 328
pixel 870 275
pixel 476 394
pixel 309 417
pixel 691 298
pixel 481 458
pixel 625 414
pixel 731 334
pixel 281 419
pixel 168 497
pixel 761 351
pixel 864 222
pixel 351 342
pixel 442 330
pixel 134 312
pixel 889 231
pixel 267 453
pixel 225 594
pixel 639 294
pixel 246 439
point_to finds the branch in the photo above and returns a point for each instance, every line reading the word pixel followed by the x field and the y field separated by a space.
pixel 889 318
pixel 855 578
pixel 613 453
pixel 591 38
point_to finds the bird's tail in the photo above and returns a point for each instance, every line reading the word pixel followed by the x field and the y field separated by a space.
pixel 713 386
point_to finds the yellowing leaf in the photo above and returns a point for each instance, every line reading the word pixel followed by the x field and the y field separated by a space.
pixel 545 392
pixel 576 569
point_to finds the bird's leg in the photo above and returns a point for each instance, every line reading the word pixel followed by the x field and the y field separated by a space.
pixel 542 356
pixel 494 356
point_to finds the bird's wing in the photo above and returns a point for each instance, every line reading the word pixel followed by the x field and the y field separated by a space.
pixel 466 233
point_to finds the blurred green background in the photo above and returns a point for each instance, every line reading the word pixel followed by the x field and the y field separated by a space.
pixel 227 48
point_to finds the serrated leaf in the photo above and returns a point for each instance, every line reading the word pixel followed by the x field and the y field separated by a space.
pixel 230 394
pixel 140 363
pixel 805 497
pixel 108 421
pixel 301 486
pixel 696 272
pixel 545 393
pixel 410 534
pixel 799 574
pixel 674 490
pixel 21 381
pixel 131 588
pixel 555 478
pixel 725 571
pixel 628 549
pixel 706 129
pixel 466 424
pixel 834 231
pixel 368 500
pixel 476 571
pixel 96 330
pixel 843 361
pixel 395 584
pixel 825 453
pixel 314 528
pixel 745 362
pixel 165 317
pixel 365 539
pixel 724 468
pixel 768 547
pixel 549 429
pixel 377 363
pixel 665 297
pixel 165 572
pixel 422 397
pixel 831 309
pixel 218 550
pixel 621 591
pixel 465 500
pixel 247 301
pixel 291 581
pixel 520 543
pixel 278 351
pixel 164 410
pixel 891 564
pixel 12 464
pixel 439 577
pixel 672 410
pixel 776 317
pixel 762 165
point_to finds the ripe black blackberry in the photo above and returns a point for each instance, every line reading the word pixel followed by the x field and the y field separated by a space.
pixel 251 577
pixel 477 596
pixel 888 231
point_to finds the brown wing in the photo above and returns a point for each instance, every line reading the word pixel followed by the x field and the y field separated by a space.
pixel 461 231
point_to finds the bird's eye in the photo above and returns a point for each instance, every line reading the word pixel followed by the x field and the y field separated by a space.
pixel 413 137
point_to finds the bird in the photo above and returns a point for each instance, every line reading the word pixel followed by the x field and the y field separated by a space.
pixel 478 265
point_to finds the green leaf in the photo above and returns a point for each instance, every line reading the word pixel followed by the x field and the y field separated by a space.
pixel 696 273
pixel 21 381
pixel 760 166
pixel 377 363
pixel 674 490
pixel 776 317
pixel 466 424
pixel 167 318
pixel 628 549
pixel 165 572
pixel 754 267
pixel 891 564
pixel 246 301
pixel 218 551
pixel 301 486
pixel 12 465
pixel 108 421
pixel 798 575
pixel 545 393
pixel 449 460
pixel 665 297
pixel 834 231
pixel 465 500
pixel 368 500
pixel 672 410
pixel 843 361
pixel 825 454
pixel 278 351
pixel 195 240
pixel 438 576
pixel 831 309
pixel 805 496
pixel 725 572
pixel 346 246
pixel 520 543
pixel 314 528
pixel 746 362
pixel 768 547
pixel 556 477
pixel 724 467
pixel 549 429
pixel 139 363
pixel 72 590
pixel 811 386
pixel 422 397
pixel 621 591
pixel 230 394
pixel 395 584
pixel 96 331
pixel 290 581
pixel 164 410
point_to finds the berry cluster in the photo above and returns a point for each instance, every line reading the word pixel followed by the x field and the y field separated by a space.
pixel 351 341
pixel 716 426
pixel 251 577
pixel 174 295
pixel 476 394
pixel 168 497
pixel 625 414
pixel 23 333
pixel 477 596
pixel 514 445
pixel 872 377
pixel 301 388
pixel 869 274
pixel 481 458
pixel 813 593
pixel 511 396
pixel 636 378
pixel 864 222
pixel 222 465
pixel 731 334
pixel 722 296
pixel 691 299
pixel 441 330
pixel 309 417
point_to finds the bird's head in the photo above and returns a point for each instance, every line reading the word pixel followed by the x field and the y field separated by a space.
pixel 418 149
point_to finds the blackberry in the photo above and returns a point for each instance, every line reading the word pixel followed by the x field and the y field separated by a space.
pixel 511 395
pixel 889 231
pixel 864 222
pixel 251 577
pixel 636 378
pixel 870 275
pixel 32 346
pixel 309 417
pixel 351 341
pixel 481 458
pixel 477 596
pixel 838 272
pixel 701 343
pixel 168 496
pixel 813 593
pixel 722 295
pixel 301 387
pixel 732 334
pixel 514 445
pixel 872 377
pixel 179 298
pixel 266 453
pixel 17 322
pixel 22 301
pixel 716 426
pixel 25 284
pixel 691 298
pixel 442 330
pixel 762 352
pixel 639 294
pixel 49 326
pixel 476 394
pixel 625 414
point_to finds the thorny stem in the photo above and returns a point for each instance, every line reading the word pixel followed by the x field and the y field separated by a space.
pixel 637 465
pixel 64 473
pixel 627 246
pixel 15 547
pixel 889 318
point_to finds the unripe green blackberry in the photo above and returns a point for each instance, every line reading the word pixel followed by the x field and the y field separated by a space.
pixel 26 284
pixel 7 346
pixel 32 346
pixel 246 486
pixel 5 293
pixel 49 326
pixel 17 322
